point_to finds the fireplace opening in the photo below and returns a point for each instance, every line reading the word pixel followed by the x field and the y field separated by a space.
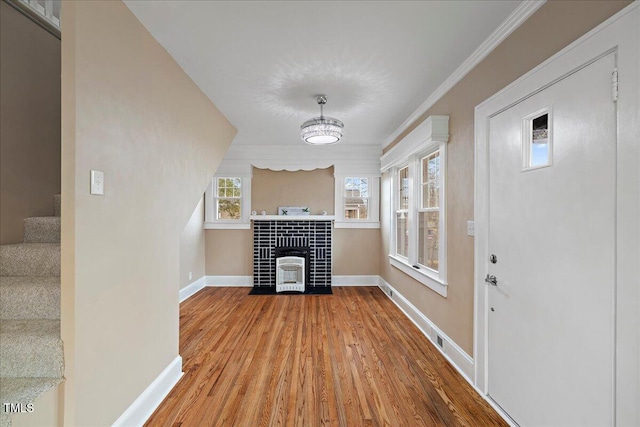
pixel 292 268
pixel 290 274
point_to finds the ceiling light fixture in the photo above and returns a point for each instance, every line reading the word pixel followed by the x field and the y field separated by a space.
pixel 321 130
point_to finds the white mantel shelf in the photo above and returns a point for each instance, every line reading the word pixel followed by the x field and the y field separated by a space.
pixel 293 217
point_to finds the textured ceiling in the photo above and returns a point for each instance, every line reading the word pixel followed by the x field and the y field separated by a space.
pixel 262 62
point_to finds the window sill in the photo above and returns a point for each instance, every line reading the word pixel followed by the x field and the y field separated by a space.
pixel 421 275
pixel 356 224
pixel 227 225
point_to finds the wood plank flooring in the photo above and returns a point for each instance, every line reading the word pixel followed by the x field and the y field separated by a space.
pixel 347 359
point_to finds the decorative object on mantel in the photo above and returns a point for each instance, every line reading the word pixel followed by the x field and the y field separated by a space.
pixel 263 213
pixel 321 130
pixel 293 210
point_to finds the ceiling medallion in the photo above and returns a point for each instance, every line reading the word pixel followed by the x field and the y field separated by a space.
pixel 321 130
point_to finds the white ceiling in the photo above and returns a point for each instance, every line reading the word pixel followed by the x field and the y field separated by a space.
pixel 262 62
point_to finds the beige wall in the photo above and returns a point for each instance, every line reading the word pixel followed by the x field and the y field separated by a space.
pixel 29 122
pixel 230 252
pixel 356 251
pixel 555 25
pixel 128 110
pixel 192 247
pixel 271 189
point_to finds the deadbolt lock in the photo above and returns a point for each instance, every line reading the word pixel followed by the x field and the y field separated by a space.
pixel 493 259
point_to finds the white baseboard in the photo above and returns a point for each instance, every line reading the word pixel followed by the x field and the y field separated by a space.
pixel 355 280
pixel 456 355
pixel 142 408
pixel 192 288
pixel 230 281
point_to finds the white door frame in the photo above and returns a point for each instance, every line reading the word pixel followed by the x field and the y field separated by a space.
pixel 620 34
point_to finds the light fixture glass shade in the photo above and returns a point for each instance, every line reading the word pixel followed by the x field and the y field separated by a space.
pixel 321 131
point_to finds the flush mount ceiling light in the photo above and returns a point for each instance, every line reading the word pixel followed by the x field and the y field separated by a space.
pixel 321 130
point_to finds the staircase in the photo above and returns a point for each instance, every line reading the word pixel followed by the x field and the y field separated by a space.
pixel 31 358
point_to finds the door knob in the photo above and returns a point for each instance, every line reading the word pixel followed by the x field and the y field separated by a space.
pixel 492 280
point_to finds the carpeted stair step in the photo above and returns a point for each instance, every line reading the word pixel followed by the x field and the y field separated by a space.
pixel 30 259
pixel 57 204
pixel 29 298
pixel 23 391
pixel 44 229
pixel 30 349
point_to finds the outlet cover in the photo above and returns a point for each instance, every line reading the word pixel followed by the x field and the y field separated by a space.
pixel 471 228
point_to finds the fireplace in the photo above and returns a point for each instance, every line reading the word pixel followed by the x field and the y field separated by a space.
pixel 292 268
pixel 306 245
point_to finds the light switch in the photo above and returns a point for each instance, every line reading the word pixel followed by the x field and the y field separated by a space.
pixel 97 183
pixel 471 228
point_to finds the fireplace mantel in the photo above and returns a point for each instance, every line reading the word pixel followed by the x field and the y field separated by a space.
pixel 293 217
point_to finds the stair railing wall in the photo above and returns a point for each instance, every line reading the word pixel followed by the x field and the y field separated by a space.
pixel 45 13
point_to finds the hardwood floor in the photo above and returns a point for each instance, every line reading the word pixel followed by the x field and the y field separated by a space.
pixel 347 359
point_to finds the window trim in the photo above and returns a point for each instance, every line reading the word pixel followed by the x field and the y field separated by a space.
pixel 373 221
pixel 430 136
pixel 211 221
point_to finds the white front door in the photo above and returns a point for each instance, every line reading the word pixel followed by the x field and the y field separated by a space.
pixel 552 230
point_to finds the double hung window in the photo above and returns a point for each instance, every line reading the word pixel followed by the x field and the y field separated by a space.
pixel 228 202
pixel 356 198
pixel 357 201
pixel 418 245
pixel 228 195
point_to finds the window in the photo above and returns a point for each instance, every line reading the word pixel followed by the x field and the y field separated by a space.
pixel 356 198
pixel 424 205
pixel 429 212
pixel 228 198
pixel 357 201
pixel 418 194
pixel 402 213
pixel 537 141
pixel 414 188
pixel 228 202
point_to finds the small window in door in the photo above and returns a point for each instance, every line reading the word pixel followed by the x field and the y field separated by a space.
pixel 537 138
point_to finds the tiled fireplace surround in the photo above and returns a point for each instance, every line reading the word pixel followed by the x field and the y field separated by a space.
pixel 312 234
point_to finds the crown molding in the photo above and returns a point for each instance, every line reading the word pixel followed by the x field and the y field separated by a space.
pixel 513 21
